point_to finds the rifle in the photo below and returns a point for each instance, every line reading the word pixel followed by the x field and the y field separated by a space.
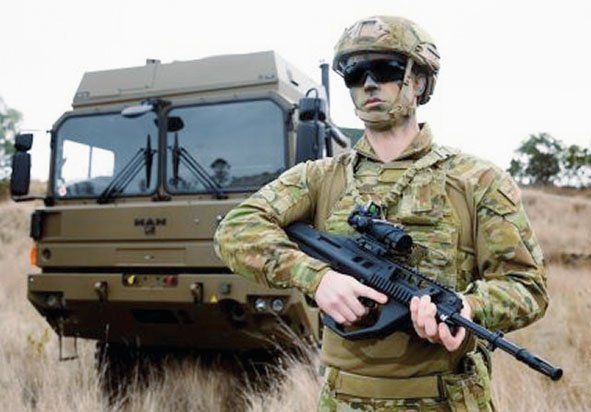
pixel 373 256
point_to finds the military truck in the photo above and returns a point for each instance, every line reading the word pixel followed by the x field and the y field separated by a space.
pixel 143 168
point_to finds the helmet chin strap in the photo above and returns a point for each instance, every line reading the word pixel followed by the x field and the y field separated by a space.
pixel 401 109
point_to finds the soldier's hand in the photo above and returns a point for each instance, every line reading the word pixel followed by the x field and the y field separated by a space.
pixel 422 313
pixel 338 296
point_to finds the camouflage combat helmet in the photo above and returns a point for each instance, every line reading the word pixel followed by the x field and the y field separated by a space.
pixel 391 34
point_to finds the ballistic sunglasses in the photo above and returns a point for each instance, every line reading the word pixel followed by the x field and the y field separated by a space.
pixel 382 71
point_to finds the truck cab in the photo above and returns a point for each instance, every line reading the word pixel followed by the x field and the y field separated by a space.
pixel 143 168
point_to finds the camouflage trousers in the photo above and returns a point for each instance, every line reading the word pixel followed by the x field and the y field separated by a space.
pixel 469 392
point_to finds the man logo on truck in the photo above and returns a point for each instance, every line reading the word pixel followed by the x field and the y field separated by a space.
pixel 149 224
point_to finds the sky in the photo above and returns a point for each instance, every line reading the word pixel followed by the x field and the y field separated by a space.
pixel 509 68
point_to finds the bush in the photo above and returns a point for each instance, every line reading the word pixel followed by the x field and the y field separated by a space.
pixel 543 160
pixel 9 120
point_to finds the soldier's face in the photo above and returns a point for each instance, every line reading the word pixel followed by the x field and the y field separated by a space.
pixel 374 81
pixel 374 96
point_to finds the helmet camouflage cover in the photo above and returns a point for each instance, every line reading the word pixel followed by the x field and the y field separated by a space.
pixel 390 34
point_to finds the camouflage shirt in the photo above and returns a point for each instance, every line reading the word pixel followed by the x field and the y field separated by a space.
pixel 501 275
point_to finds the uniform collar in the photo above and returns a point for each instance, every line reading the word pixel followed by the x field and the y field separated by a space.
pixel 419 146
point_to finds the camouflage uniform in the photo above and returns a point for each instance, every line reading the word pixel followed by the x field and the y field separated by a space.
pixel 463 213
pixel 501 275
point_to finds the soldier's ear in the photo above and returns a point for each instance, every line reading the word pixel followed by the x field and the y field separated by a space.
pixel 420 81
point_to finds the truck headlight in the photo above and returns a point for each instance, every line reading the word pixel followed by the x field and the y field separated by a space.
pixel 277 305
pixel 260 305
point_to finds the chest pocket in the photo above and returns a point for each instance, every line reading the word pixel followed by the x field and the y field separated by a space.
pixel 426 213
pixel 423 199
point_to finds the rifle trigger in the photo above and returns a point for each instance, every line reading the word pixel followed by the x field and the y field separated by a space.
pixel 367 302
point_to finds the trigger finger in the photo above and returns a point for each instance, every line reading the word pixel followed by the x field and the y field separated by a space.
pixel 372 294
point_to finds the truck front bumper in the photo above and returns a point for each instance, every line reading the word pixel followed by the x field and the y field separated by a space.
pixel 201 311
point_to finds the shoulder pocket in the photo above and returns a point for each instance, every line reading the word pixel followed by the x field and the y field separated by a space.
pixel 504 200
pixel 282 194
pixel 294 177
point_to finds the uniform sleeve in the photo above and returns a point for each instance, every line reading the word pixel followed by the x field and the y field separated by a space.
pixel 511 291
pixel 250 239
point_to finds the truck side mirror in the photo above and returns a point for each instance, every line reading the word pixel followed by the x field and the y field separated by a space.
pixel 23 142
pixel 312 141
pixel 20 178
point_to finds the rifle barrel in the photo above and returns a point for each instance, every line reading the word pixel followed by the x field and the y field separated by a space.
pixel 496 340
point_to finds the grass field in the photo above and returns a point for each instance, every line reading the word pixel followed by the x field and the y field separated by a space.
pixel 31 377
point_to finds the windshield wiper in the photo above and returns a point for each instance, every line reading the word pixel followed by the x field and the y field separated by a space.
pixel 181 155
pixel 143 158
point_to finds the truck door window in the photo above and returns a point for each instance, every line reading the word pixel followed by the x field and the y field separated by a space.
pixel 92 149
pixel 92 161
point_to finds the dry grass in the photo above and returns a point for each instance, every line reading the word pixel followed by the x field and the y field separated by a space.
pixel 560 337
pixel 31 377
pixel 561 223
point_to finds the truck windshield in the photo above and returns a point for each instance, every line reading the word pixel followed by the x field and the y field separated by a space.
pixel 92 151
pixel 219 148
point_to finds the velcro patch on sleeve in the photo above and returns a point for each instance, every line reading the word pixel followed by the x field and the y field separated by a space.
pixel 510 190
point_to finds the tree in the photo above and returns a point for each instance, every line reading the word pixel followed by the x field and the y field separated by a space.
pixel 542 159
pixel 577 166
pixel 538 160
pixel 9 120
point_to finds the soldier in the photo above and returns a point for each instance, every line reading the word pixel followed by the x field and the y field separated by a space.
pixel 464 213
